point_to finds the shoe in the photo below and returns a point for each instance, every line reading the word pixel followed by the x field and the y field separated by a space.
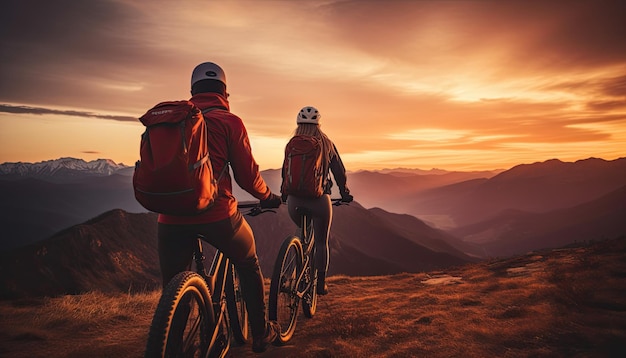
pixel 272 331
pixel 322 287
pixel 322 290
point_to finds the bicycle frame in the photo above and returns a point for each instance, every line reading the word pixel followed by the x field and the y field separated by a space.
pixel 201 310
pixel 216 280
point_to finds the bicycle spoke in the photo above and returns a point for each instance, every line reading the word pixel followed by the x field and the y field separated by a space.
pixel 194 331
pixel 287 282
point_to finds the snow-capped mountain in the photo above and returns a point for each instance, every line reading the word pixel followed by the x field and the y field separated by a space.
pixel 62 168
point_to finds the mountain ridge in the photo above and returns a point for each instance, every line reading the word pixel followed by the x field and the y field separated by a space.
pixel 515 231
pixel 34 209
pixel 117 250
pixel 59 169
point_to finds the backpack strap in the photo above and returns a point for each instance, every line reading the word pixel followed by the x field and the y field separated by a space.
pixel 223 172
pixel 207 110
pixel 225 168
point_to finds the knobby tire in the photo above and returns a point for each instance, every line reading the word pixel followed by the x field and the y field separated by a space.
pixel 283 298
pixel 183 320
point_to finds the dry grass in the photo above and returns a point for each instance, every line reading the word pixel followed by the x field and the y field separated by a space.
pixel 88 325
pixel 569 303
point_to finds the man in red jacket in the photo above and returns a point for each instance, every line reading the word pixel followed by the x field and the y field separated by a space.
pixel 223 225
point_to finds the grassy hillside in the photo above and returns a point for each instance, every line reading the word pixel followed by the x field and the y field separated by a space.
pixel 568 302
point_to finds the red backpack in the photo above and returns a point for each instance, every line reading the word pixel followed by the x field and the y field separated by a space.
pixel 174 175
pixel 303 168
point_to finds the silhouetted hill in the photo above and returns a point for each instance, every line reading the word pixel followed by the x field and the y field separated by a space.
pixel 538 187
pixel 395 191
pixel 437 204
pixel 33 209
pixel 113 252
pixel 116 251
pixel 515 232
pixel 434 239
pixel 541 187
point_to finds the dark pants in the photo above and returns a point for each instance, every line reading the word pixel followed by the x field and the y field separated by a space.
pixel 322 214
pixel 235 239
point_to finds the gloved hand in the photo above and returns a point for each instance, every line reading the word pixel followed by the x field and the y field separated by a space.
pixel 273 201
pixel 346 197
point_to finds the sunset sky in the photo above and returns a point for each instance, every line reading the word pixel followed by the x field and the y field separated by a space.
pixel 456 85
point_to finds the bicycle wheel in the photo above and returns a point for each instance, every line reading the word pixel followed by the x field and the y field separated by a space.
pixel 237 311
pixel 284 300
pixel 309 299
pixel 183 321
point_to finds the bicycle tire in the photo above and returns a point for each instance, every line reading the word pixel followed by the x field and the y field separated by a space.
pixel 283 298
pixel 183 319
pixel 237 312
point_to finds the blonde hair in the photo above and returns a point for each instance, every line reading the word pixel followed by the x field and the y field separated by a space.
pixel 313 130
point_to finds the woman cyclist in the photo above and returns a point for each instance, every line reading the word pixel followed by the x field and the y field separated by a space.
pixel 320 207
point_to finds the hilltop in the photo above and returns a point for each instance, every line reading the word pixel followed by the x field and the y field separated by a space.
pixel 567 302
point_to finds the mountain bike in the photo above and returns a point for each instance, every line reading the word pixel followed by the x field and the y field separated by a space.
pixel 294 278
pixel 201 311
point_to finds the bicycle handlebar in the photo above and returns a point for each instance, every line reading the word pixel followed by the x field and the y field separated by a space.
pixel 255 208
pixel 249 205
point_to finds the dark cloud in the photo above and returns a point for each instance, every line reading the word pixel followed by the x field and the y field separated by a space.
pixel 606 105
pixel 605 94
pixel 59 49
pixel 41 111
pixel 613 92
pixel 54 31
pixel 541 33
pixel 584 33
pixel 615 87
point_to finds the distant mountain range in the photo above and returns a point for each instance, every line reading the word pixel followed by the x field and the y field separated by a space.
pixel 62 169
pixel 468 198
pixel 487 213
pixel 39 199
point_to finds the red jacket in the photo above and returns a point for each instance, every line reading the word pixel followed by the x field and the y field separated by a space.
pixel 228 141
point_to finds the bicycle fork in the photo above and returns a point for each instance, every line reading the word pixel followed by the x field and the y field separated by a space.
pixel 217 282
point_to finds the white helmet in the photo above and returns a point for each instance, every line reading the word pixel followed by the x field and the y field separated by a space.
pixel 208 71
pixel 309 115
